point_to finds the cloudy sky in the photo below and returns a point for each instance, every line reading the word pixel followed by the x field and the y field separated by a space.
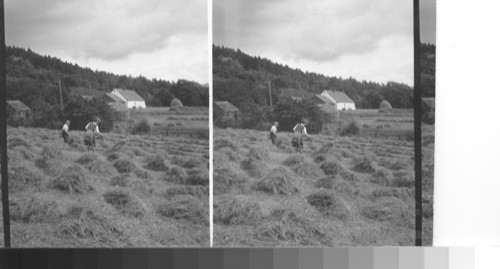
pixel 164 39
pixel 364 39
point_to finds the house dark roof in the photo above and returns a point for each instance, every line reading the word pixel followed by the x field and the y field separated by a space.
pixel 115 98
pixel 18 105
pixel 226 106
pixel 130 95
pixel 324 99
pixel 339 97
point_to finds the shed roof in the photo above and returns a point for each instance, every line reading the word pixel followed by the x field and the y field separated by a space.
pixel 324 99
pixel 339 96
pixel 226 106
pixel 18 105
pixel 130 95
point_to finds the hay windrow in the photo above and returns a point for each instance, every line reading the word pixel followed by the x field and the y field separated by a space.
pixel 185 207
pixel 125 203
pixel 286 225
pixel 72 180
pixel 121 180
pixel 363 165
pixel 196 191
pixel 332 167
pixel 35 209
pixel 87 159
pixel 14 142
pixel 176 174
pixel 197 177
pixel 231 155
pixel 382 177
pixel 21 177
pixel 329 204
pixel 258 153
pixel 224 143
pixel 278 181
pixel 294 160
pixel 52 152
pixel 226 180
pixel 389 209
pixel 232 211
pixel 253 167
pixel 326 182
pixel 143 174
pixel 157 163
pixel 48 165
pixel 113 156
pixel 308 170
pixel 125 166
pixel 81 222
pixel 101 168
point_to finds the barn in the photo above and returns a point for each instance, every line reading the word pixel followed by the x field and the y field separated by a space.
pixel 131 98
pixel 225 112
pixel 341 100
pixel 17 110
pixel 325 104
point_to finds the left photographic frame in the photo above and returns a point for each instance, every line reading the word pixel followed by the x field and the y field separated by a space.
pixel 107 123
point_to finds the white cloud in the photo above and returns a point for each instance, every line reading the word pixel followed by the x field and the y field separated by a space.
pixel 343 37
pixel 139 37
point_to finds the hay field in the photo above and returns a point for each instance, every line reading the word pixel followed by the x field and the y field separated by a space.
pixel 135 191
pixel 342 191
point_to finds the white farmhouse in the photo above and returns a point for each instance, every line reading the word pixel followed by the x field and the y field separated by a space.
pixel 341 100
pixel 131 98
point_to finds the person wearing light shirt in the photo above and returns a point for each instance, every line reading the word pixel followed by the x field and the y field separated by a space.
pixel 92 130
pixel 65 131
pixel 273 132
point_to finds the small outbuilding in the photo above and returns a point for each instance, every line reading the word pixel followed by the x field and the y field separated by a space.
pixel 17 110
pixel 225 112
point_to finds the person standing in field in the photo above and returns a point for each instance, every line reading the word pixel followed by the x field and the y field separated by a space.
pixel 65 131
pixel 300 131
pixel 273 132
pixel 92 130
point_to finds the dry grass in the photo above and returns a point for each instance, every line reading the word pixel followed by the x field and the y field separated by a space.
pixel 72 180
pixel 184 207
pixel 278 181
pixel 231 211
pixel 329 204
pixel 35 209
pixel 125 166
pixel 254 168
pixel 124 202
pixel 157 163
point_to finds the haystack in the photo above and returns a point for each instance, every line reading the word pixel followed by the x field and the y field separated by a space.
pixel 125 202
pixel 233 211
pixel 329 204
pixel 184 207
pixel 176 104
pixel 385 106
pixel 278 181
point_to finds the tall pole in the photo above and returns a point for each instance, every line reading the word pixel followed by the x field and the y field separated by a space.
pixel 270 96
pixel 60 94
pixel 417 111
pixel 3 132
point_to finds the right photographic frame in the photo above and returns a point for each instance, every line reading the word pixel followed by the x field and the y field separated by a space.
pixel 313 112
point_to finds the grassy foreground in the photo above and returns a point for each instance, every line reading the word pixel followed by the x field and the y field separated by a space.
pixel 135 191
pixel 342 191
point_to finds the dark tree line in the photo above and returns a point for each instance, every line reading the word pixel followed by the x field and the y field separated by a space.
pixel 240 78
pixel 31 76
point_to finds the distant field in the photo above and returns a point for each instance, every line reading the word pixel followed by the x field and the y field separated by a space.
pixel 135 191
pixel 189 122
pixel 342 191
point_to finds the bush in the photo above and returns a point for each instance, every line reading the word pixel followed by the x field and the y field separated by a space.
pixel 81 111
pixel 350 129
pixel 142 127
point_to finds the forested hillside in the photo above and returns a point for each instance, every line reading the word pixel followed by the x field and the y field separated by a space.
pixel 31 77
pixel 244 80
